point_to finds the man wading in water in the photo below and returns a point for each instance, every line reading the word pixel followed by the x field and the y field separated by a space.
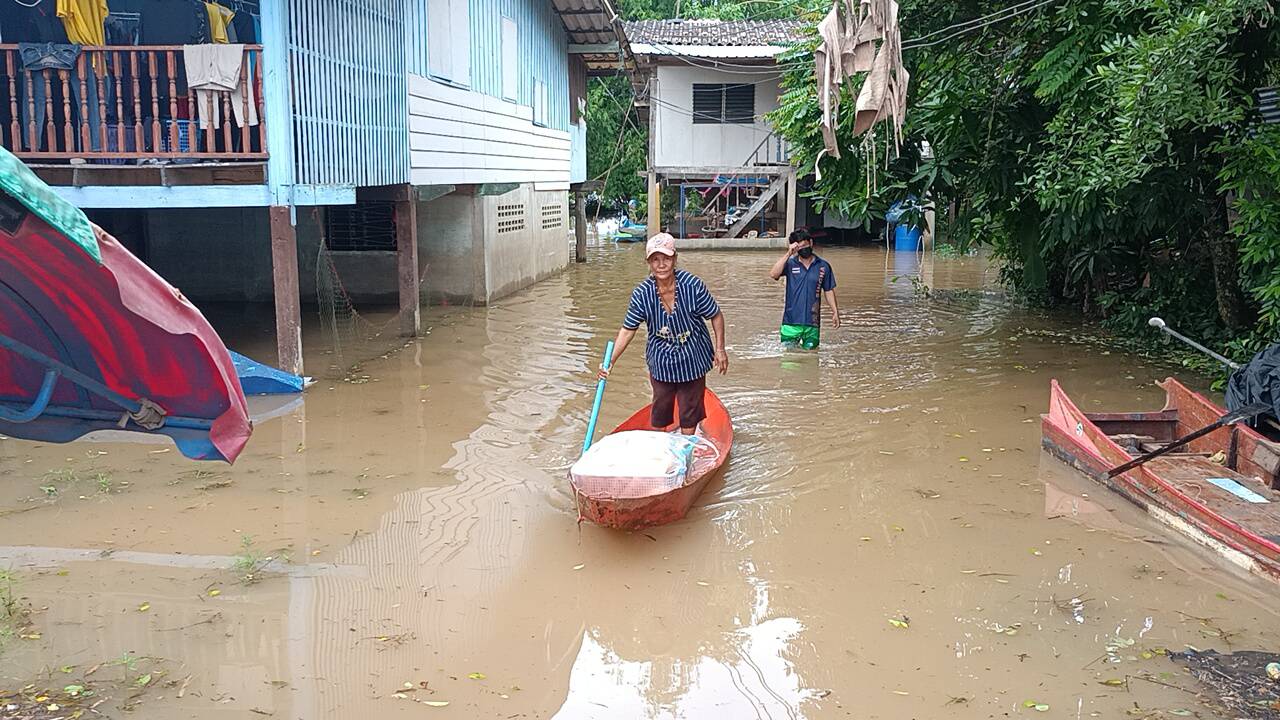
pixel 674 305
pixel 810 279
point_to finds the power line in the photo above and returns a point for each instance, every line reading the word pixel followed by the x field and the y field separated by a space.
pixel 914 44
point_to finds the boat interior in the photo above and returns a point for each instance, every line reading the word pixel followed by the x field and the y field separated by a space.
pixel 1230 471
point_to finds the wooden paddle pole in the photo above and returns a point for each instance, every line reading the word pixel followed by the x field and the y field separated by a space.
pixel 595 408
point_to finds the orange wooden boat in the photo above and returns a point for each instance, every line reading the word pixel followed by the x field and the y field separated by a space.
pixel 1221 490
pixel 632 508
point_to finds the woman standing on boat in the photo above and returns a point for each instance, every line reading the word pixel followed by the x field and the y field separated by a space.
pixel 674 305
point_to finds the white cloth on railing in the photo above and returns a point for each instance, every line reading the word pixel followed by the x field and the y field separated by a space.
pixel 213 70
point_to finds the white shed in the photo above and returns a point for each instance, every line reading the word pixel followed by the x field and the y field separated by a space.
pixel 706 87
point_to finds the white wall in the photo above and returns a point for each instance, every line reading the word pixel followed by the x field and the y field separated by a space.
pixel 681 143
pixel 462 137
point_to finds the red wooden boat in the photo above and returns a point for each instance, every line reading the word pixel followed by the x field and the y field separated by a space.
pixel 633 509
pixel 1221 490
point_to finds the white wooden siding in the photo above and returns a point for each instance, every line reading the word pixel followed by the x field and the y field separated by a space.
pixel 461 137
pixel 681 143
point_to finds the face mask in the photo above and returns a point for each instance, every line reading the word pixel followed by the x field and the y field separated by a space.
pixel 805 252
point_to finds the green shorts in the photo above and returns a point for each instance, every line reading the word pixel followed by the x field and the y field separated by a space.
pixel 805 336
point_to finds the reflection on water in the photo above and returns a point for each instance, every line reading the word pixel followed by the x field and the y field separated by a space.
pixel 423 545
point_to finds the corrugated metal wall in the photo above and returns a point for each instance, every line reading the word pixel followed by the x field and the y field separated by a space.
pixel 350 102
pixel 543 53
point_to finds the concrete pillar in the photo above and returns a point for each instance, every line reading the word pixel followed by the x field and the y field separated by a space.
pixel 655 205
pixel 791 202
pixel 579 227
pixel 407 265
pixel 284 273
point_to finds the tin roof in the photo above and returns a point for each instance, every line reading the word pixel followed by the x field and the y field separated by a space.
pixel 721 33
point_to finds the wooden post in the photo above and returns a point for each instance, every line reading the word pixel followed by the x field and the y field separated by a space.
pixel 407 264
pixel 655 205
pixel 284 273
pixel 791 202
pixel 579 226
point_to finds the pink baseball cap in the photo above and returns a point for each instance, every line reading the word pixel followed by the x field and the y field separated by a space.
pixel 661 243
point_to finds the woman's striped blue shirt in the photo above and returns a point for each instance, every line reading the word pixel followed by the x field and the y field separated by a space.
pixel 678 348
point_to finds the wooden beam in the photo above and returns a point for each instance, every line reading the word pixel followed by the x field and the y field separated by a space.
pixel 407 267
pixel 710 171
pixel 655 206
pixel 284 273
pixel 594 49
pixel 385 193
pixel 791 203
pixel 579 227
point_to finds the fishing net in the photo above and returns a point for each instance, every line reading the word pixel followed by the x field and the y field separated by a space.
pixel 640 463
pixel 354 336
pixel 1239 680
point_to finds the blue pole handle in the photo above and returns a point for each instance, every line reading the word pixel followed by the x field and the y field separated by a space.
pixel 595 409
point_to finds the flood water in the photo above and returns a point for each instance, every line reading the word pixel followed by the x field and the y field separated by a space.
pixel 424 546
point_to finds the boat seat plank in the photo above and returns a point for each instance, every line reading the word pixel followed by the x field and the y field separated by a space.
pixel 1190 475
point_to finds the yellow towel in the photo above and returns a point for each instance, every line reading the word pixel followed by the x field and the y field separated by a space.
pixel 219 18
pixel 83 22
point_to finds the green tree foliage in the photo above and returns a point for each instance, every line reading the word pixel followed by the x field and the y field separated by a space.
pixel 1107 150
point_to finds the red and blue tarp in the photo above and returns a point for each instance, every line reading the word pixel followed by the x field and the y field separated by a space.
pixel 93 339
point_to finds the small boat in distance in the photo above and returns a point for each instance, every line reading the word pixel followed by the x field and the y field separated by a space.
pixel 1221 490
pixel 633 506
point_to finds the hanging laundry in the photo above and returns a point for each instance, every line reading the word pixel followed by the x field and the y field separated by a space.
pixel 83 20
pixel 212 71
pixel 219 18
pixel 849 38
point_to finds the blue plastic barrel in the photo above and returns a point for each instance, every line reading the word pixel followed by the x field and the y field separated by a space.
pixel 906 237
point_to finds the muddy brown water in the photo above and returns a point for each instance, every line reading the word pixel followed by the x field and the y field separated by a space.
pixel 426 543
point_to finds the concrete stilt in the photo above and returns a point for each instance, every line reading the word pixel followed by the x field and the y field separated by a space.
pixel 407 266
pixel 284 272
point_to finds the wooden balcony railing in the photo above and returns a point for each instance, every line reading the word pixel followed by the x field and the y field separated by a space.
pixel 121 103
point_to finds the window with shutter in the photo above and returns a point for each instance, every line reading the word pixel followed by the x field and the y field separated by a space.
pixel 449 40
pixel 708 103
pixel 740 104
pixel 510 61
pixel 718 103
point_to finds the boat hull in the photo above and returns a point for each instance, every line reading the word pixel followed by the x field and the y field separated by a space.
pixel 1175 489
pixel 636 513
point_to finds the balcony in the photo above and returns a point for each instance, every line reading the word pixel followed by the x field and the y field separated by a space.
pixel 128 110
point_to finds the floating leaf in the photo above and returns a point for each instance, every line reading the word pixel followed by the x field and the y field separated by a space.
pixel 964 459
pixel 901 692
pixel 476 676
pixel 864 538
pixel 1147 654
pixel 144 681
pixel 1180 712
pixel 1223 596
pixel 1114 682
pixel 704 583
pixel 73 690
pixel 1033 705
pixel 30 636
pixel 215 592
pixel 144 607
pixel 67 668
pixel 436 703
pixel 53 707
pixel 902 624
pixel 897 528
